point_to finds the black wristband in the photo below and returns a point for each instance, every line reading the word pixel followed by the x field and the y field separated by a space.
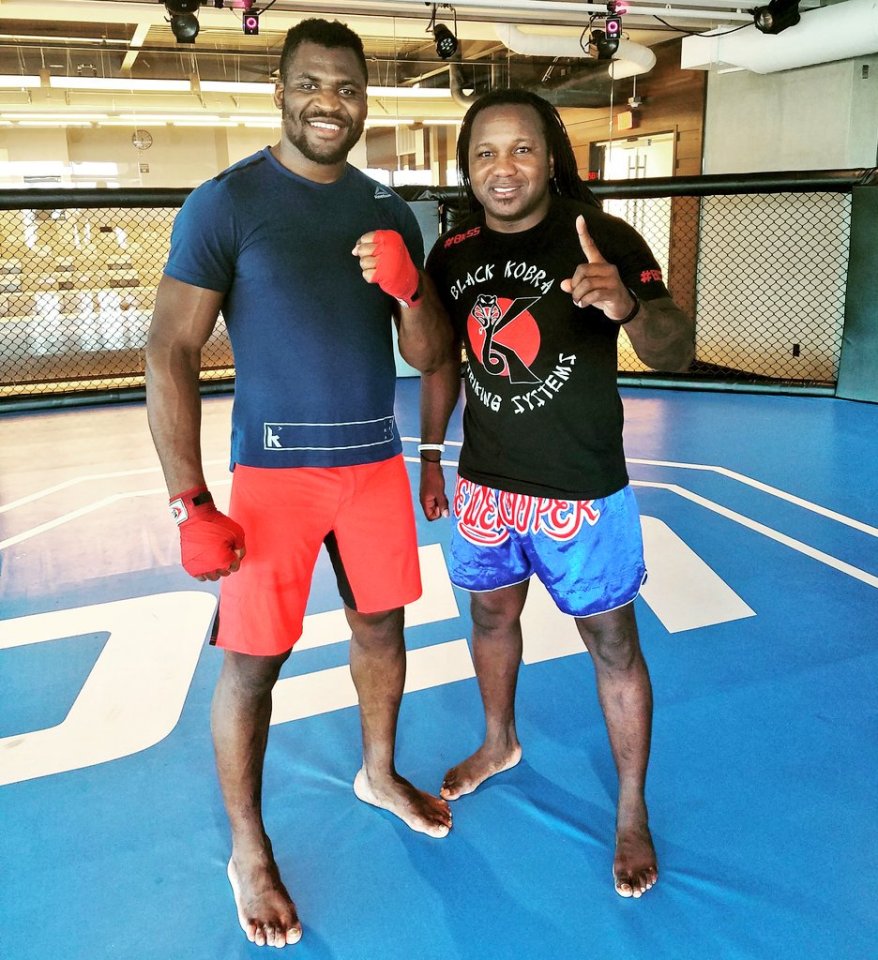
pixel 430 459
pixel 632 313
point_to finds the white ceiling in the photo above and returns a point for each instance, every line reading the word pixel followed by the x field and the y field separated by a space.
pixel 114 39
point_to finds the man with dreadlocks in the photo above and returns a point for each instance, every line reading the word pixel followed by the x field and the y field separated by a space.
pixel 537 282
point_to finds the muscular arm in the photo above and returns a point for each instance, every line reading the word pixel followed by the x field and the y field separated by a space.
pixel 423 327
pixel 424 330
pixel 183 319
pixel 662 335
pixel 440 391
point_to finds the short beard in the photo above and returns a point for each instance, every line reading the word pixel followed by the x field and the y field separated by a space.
pixel 328 159
pixel 300 142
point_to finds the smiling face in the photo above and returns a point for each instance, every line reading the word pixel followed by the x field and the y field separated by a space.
pixel 510 167
pixel 322 100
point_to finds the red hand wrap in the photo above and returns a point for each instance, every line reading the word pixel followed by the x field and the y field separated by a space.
pixel 395 272
pixel 208 538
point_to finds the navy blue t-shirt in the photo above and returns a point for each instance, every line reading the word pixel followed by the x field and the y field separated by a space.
pixel 312 340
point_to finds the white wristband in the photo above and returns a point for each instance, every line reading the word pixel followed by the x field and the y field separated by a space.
pixel 431 446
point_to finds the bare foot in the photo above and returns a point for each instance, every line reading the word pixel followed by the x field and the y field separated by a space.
pixel 265 911
pixel 635 869
pixel 421 811
pixel 484 763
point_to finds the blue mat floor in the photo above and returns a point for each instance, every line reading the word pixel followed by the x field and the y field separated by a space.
pixel 758 624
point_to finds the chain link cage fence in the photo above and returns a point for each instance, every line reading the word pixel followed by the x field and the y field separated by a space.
pixel 764 276
pixel 77 291
pixel 763 272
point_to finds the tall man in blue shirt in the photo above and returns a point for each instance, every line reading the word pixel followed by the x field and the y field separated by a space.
pixel 308 259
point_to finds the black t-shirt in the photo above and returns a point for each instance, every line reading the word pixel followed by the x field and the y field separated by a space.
pixel 543 414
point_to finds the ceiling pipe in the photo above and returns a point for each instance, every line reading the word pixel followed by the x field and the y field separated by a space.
pixel 585 88
pixel 631 59
pixel 457 83
pixel 837 32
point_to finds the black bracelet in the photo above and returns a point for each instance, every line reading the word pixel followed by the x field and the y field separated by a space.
pixel 632 313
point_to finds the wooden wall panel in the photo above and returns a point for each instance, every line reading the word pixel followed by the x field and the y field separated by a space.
pixel 673 100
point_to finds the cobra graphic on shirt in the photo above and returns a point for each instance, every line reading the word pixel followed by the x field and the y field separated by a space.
pixel 504 340
pixel 504 336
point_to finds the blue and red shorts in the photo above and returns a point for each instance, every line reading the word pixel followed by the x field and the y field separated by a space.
pixel 587 553
pixel 363 515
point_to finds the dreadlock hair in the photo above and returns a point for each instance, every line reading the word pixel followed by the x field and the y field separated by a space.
pixel 325 33
pixel 565 181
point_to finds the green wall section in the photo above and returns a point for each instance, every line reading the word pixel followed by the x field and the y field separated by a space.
pixel 858 365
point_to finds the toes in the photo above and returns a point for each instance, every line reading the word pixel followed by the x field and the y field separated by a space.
pixel 451 789
pixel 437 826
pixel 624 888
pixel 439 821
pixel 635 886
pixel 294 934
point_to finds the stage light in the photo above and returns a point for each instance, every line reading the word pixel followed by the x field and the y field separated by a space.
pixel 776 16
pixel 184 23
pixel 250 23
pixel 613 31
pixel 446 42
pixel 605 44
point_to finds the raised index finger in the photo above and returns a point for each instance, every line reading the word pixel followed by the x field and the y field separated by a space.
pixel 589 247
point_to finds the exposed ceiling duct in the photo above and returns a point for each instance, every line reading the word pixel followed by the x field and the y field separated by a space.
pixel 836 32
pixel 588 85
pixel 630 60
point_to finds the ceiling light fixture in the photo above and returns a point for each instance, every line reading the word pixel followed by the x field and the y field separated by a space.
pixel 52 117
pixel 55 123
pixel 446 40
pixel 118 83
pixel 604 42
pixel 410 93
pixel 10 80
pixel 776 16
pixel 237 86
pixel 184 23
pixel 143 119
pixel 250 23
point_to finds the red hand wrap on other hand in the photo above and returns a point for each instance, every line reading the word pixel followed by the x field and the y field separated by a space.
pixel 395 273
pixel 208 538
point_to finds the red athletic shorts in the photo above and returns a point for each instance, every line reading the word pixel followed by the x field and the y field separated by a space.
pixel 364 516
